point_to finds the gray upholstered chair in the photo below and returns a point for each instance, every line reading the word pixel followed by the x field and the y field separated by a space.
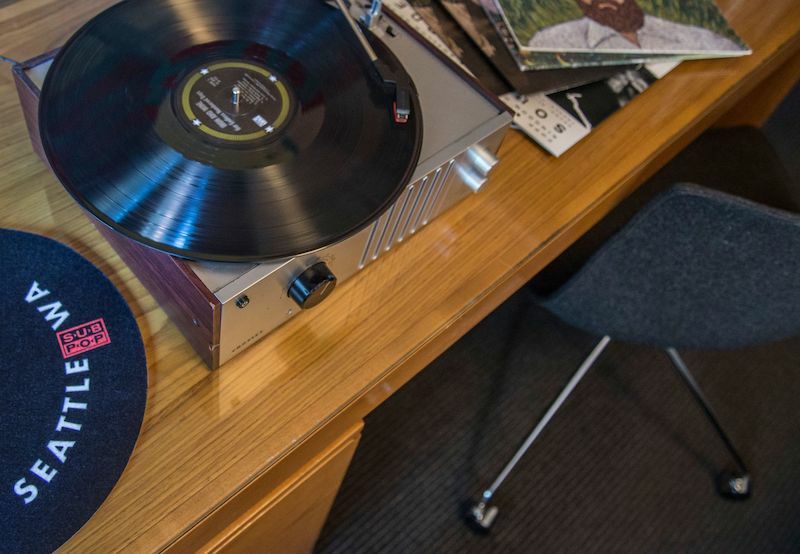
pixel 683 266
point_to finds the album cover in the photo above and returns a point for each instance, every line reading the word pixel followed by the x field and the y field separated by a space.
pixel 529 61
pixel 695 27
pixel 454 37
pixel 592 103
pixel 499 74
pixel 559 120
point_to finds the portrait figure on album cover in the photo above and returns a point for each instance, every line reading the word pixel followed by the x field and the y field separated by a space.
pixel 693 26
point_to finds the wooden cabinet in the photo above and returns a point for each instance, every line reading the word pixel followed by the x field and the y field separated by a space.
pixel 289 516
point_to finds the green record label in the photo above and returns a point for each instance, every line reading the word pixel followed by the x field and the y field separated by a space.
pixel 235 101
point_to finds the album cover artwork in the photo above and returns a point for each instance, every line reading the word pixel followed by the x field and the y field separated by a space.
pixel 695 27
pixel 530 61
pixel 499 74
pixel 454 37
pixel 559 120
pixel 592 103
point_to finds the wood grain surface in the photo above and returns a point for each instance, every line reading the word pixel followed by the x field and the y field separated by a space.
pixel 207 435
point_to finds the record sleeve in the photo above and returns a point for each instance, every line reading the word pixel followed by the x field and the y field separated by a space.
pixel 558 121
pixel 456 40
pixel 528 61
pixel 485 55
pixel 678 27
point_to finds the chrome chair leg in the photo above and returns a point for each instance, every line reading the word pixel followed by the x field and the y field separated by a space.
pixel 731 484
pixel 481 515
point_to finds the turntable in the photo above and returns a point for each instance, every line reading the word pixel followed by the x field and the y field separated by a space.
pixel 232 247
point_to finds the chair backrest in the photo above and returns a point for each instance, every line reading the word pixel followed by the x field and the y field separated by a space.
pixel 695 268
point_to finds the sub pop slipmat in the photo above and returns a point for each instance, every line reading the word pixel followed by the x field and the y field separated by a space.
pixel 74 384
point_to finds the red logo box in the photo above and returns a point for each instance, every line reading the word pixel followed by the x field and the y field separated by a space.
pixel 83 338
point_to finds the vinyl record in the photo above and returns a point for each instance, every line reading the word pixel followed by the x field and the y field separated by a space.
pixel 236 130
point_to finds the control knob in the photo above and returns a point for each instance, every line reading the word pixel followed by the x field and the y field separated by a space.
pixel 475 167
pixel 312 286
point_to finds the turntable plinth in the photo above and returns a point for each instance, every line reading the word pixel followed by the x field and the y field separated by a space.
pixel 225 307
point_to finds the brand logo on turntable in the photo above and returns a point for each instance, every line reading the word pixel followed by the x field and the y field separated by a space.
pixel 83 338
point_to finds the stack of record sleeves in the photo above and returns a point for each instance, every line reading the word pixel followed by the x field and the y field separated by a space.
pixel 577 61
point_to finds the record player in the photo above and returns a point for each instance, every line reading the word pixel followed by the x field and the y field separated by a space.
pixel 223 304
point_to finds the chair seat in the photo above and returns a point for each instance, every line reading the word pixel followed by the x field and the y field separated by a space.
pixel 738 161
pixel 704 255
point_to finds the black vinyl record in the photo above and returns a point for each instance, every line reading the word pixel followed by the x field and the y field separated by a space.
pixel 235 130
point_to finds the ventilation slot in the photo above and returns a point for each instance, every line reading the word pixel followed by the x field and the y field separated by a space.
pixel 383 223
pixel 371 237
pixel 439 193
pixel 413 204
pixel 403 203
pixel 416 206
pixel 424 209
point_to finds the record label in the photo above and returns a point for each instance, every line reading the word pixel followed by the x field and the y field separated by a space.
pixel 235 101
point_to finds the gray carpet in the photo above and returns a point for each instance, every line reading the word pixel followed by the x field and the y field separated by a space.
pixel 626 465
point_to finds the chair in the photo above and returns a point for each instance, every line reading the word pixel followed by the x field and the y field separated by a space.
pixel 682 266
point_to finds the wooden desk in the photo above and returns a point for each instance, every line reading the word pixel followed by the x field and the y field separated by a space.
pixel 253 453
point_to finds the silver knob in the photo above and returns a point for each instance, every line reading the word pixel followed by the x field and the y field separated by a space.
pixel 470 177
pixel 474 168
pixel 481 159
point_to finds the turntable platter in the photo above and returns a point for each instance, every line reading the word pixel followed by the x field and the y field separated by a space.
pixel 243 130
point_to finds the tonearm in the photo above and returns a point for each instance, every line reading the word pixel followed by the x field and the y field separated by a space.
pixel 402 93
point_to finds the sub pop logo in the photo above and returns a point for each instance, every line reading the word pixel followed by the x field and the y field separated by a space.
pixel 83 338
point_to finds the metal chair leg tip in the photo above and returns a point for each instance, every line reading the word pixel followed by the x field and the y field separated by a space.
pixel 480 516
pixel 736 486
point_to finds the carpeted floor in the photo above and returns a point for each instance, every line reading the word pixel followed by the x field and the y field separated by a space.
pixel 626 465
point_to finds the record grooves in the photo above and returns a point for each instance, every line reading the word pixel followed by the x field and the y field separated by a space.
pixel 243 130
